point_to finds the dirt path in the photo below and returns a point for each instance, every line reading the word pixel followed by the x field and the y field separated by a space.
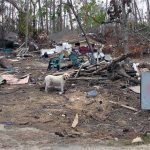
pixel 35 139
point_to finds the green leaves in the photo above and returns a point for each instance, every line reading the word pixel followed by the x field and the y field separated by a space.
pixel 91 15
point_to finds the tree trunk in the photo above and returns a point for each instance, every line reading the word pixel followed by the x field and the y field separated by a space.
pixel 136 7
pixel 61 20
pixel 135 15
pixel 27 24
pixel 54 19
pixel 79 23
pixel 41 17
pixel 70 18
pixel 34 20
pixel 64 24
pixel 2 5
pixel 50 21
pixel 15 4
pixel 47 30
pixel 148 12
pixel 125 28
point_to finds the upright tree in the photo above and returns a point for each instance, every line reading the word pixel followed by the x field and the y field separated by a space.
pixel 148 11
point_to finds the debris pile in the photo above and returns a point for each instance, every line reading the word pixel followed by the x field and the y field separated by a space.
pixel 101 100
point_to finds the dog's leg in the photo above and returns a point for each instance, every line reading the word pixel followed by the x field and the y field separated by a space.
pixel 46 86
pixel 62 88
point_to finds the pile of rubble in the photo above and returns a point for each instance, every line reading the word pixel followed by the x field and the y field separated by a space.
pixel 102 97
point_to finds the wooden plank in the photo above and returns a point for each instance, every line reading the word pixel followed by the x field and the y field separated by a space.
pixel 122 105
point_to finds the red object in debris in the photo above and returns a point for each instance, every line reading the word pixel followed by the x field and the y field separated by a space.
pixel 84 50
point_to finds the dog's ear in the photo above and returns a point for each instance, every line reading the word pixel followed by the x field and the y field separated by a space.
pixel 64 77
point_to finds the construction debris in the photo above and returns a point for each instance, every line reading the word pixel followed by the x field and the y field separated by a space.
pixel 102 88
pixel 92 93
pixel 75 121
pixel 136 89
pixel 122 105
pixel 137 140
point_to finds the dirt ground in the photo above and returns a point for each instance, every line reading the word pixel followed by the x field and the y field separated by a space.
pixel 29 114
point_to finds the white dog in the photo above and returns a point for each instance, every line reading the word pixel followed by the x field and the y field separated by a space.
pixel 51 80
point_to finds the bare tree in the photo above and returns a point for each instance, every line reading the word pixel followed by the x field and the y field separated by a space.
pixel 54 16
pixel 47 27
pixel 124 27
pixel 40 15
pixel 70 15
pixel 148 12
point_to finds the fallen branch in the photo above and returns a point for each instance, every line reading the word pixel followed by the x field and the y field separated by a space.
pixel 87 78
pixel 122 105
pixel 79 70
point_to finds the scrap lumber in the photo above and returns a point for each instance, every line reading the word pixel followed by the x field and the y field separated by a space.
pixel 79 71
pixel 22 52
pixel 20 47
pixel 75 121
pixel 113 63
pixel 125 106
pixel 87 78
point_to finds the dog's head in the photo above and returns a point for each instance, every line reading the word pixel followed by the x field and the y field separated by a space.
pixel 66 76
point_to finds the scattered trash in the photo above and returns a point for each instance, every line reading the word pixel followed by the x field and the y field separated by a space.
pixel 60 134
pixel 8 125
pixel 137 140
pixel 2 81
pixel 97 69
pixel 64 133
pixel 135 89
pixel 2 127
pixel 92 93
pixel 116 139
pixel 57 49
pixel 97 87
pixel 75 121
pixel 122 105
pixel 108 58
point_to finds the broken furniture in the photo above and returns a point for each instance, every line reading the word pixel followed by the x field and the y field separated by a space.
pixel 84 50
pixel 55 62
pixel 75 59
pixel 6 51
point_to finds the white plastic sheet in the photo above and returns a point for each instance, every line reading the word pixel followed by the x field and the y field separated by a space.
pixel 57 49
